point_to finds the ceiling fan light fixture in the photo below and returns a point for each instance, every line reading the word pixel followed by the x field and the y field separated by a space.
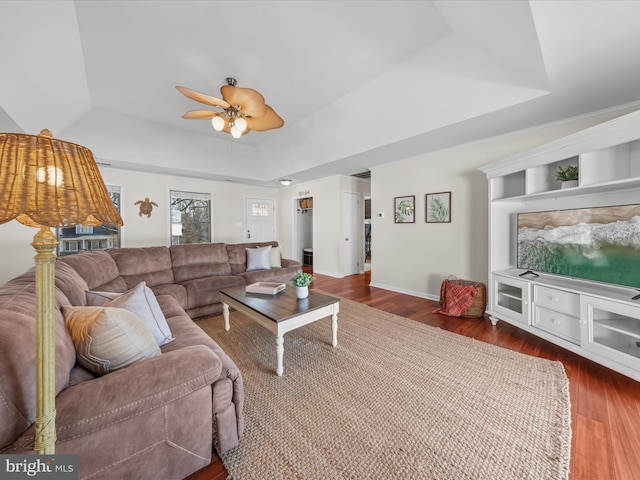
pixel 236 132
pixel 240 123
pixel 218 123
pixel 241 110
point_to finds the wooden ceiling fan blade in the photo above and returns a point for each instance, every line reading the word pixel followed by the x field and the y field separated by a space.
pixel 203 98
pixel 199 114
pixel 268 121
pixel 250 101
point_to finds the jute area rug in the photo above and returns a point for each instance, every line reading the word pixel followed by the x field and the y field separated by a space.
pixel 396 399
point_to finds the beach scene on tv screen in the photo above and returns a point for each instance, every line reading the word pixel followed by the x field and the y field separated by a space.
pixel 600 243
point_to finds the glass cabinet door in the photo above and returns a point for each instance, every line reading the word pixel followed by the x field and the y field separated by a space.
pixel 612 328
pixel 511 298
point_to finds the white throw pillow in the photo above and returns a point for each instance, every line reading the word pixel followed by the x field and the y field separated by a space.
pixel 258 258
pixel 141 301
pixel 107 338
pixel 275 258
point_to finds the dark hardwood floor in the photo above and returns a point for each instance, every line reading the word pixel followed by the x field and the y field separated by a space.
pixel 605 406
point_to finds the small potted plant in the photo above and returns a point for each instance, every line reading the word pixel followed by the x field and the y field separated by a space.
pixel 301 281
pixel 568 176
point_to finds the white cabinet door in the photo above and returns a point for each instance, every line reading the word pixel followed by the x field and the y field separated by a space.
pixel 351 228
pixel 611 329
pixel 510 299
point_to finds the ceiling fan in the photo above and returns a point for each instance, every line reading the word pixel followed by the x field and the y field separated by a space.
pixel 241 110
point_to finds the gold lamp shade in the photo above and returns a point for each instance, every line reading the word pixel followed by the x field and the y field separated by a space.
pixel 49 182
pixel 46 183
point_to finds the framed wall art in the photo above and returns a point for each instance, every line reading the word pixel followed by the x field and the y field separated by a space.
pixel 404 209
pixel 438 207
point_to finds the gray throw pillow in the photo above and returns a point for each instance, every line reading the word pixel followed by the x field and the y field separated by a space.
pixel 141 301
pixel 258 258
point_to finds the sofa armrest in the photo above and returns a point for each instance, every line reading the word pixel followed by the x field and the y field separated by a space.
pixel 141 387
pixel 288 263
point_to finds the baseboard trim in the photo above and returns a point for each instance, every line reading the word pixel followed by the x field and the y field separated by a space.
pixel 405 291
pixel 329 274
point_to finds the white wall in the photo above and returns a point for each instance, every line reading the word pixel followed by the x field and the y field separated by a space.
pixel 16 253
pixel 415 257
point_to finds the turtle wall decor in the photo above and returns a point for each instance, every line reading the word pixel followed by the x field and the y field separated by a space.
pixel 146 207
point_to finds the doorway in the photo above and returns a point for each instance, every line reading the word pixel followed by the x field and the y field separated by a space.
pixel 260 219
pixel 304 230
pixel 367 232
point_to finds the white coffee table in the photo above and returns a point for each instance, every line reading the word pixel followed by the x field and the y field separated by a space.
pixel 281 313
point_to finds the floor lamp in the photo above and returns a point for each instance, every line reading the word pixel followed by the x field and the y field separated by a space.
pixel 45 182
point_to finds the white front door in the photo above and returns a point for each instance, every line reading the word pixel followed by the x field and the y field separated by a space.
pixel 260 219
pixel 351 223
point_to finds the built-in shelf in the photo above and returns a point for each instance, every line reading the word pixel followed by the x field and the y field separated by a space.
pixel 513 296
pixel 626 326
pixel 596 320
pixel 611 186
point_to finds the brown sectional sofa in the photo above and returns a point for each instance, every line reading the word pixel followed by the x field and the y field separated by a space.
pixel 156 418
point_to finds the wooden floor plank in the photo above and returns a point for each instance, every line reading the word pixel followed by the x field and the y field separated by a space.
pixel 605 405
pixel 591 450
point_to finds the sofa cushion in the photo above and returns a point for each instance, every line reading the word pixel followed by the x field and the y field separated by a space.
pixel 258 258
pixel 149 264
pixel 238 254
pixel 141 301
pixel 175 290
pixel 206 291
pixel 199 260
pixel 107 338
pixel 69 281
pixel 98 269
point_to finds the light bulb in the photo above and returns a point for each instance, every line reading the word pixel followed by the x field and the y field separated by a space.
pixel 241 123
pixel 218 123
pixel 236 132
pixel 50 175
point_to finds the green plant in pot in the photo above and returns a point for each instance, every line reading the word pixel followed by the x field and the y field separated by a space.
pixel 301 281
pixel 568 176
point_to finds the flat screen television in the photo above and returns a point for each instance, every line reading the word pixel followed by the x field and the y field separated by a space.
pixel 599 243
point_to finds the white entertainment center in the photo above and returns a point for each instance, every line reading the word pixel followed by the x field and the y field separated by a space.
pixel 596 320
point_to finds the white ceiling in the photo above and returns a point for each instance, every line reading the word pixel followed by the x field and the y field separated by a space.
pixel 358 83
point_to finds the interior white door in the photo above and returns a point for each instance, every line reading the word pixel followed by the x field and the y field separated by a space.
pixel 351 220
pixel 260 219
